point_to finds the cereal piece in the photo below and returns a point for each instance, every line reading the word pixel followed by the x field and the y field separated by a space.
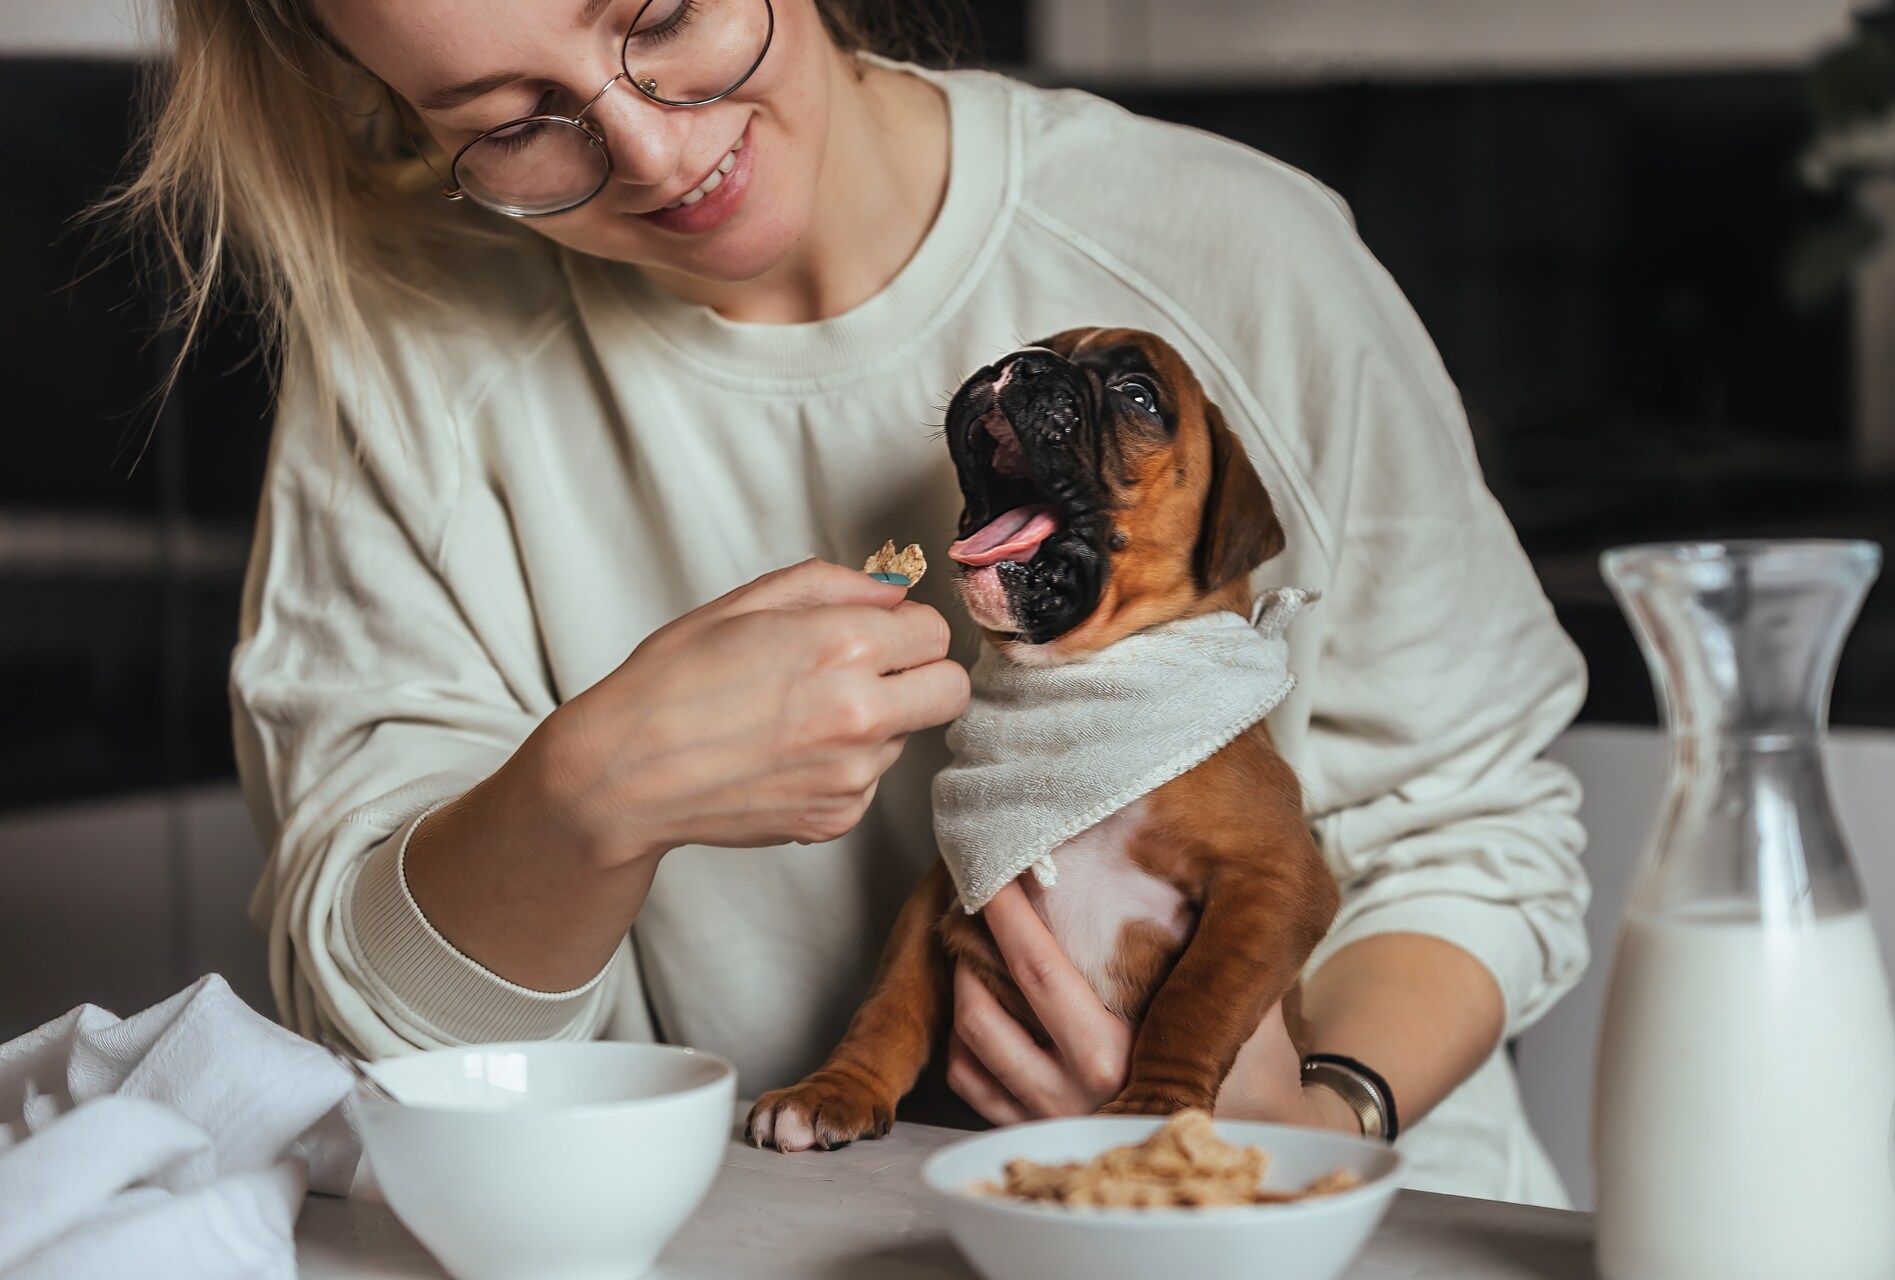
pixel 909 562
pixel 1188 1145
pixel 1183 1164
pixel 1334 1182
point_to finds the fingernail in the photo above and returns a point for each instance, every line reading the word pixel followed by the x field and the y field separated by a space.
pixel 898 579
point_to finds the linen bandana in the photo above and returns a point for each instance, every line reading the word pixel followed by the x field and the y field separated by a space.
pixel 1044 753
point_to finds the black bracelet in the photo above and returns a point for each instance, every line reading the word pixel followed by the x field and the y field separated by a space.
pixel 1391 1128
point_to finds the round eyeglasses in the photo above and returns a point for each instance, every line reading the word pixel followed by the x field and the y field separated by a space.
pixel 678 53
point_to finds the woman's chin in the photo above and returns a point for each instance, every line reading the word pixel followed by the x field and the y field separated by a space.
pixel 741 252
pixel 744 249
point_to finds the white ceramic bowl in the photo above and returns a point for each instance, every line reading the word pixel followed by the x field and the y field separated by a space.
pixel 548 1161
pixel 1305 1240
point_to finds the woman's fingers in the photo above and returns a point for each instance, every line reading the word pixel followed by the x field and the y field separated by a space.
pixel 925 696
pixel 977 1086
pixel 764 717
pixel 879 640
pixel 916 635
pixel 1094 1044
pixel 1026 1071
pixel 808 582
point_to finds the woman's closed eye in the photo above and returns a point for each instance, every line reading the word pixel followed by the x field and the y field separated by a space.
pixel 660 22
pixel 522 130
pixel 663 20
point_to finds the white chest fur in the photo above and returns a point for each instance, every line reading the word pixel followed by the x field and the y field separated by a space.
pixel 1100 890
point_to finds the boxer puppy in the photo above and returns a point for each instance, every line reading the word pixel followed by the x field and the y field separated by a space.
pixel 1104 494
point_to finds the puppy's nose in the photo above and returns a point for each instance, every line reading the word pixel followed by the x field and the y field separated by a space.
pixel 1043 394
pixel 1025 365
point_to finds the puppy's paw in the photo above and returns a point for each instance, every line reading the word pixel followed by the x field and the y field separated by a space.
pixel 825 1111
pixel 1151 1100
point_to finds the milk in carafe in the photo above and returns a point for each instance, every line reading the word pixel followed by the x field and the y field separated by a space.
pixel 1750 1074
pixel 1744 1115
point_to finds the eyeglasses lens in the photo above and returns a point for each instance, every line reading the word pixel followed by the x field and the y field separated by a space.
pixel 678 52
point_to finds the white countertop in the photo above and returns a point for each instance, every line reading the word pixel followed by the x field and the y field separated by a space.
pixel 860 1214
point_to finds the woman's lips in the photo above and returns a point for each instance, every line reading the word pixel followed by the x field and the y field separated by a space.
pixel 716 208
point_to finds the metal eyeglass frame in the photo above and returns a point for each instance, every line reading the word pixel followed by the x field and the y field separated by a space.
pixel 453 188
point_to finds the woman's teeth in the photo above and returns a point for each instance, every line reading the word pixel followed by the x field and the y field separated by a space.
pixel 711 183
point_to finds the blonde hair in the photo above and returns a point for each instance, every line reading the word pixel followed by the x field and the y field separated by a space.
pixel 276 165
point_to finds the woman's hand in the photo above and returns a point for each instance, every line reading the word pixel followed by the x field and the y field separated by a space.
pixel 1006 1076
pixel 995 1064
pixel 764 717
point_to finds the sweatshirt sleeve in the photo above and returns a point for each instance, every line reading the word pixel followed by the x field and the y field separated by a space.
pixel 1442 674
pixel 362 699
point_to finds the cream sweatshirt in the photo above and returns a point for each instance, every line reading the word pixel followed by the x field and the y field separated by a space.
pixel 580 457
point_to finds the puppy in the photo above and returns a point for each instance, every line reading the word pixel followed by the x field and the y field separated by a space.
pixel 1104 497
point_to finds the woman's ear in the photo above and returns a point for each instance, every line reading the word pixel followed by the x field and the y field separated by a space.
pixel 1240 529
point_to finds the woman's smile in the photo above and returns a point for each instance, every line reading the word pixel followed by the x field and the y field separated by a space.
pixel 716 197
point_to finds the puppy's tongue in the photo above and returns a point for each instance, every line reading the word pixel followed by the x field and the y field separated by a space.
pixel 1013 536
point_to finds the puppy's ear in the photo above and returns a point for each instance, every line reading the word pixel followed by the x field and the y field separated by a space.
pixel 1240 529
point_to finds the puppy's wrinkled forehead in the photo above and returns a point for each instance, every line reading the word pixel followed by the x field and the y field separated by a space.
pixel 1111 354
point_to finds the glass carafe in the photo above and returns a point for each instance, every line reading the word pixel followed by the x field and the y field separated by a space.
pixel 1746 1079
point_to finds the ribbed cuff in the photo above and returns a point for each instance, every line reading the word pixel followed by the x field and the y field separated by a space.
pixel 427 977
pixel 1497 934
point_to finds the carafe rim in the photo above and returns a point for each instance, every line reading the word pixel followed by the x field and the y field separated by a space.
pixel 1648 561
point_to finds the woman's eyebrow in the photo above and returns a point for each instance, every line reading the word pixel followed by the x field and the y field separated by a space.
pixel 455 95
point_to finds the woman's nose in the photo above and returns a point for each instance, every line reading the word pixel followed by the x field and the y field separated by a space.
pixel 646 141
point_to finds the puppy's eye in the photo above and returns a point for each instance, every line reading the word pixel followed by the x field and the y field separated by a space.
pixel 1140 393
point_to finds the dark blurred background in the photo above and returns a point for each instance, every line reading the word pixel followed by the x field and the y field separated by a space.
pixel 1597 222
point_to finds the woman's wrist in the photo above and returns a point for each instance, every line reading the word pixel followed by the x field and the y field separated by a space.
pixel 506 878
pixel 1360 1086
pixel 1330 1110
pixel 553 778
pixel 1420 1011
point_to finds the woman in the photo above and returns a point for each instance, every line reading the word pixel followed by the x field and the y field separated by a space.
pixel 714 270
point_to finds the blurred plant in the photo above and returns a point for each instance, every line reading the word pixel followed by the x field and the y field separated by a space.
pixel 1852 94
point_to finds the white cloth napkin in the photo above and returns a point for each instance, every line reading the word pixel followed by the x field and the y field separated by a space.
pixel 174 1143
pixel 1043 753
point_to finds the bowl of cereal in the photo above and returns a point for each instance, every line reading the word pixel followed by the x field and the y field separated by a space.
pixel 1128 1197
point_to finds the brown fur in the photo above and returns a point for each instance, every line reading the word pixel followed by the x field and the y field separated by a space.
pixel 1193 520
